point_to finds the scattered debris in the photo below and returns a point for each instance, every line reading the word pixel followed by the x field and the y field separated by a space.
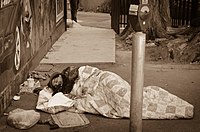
pixel 5 114
pixel 150 44
pixel 16 97
pixel 37 75
pixel 183 46
pixel 31 82
pixel 27 87
pixel 49 121
pixel 37 90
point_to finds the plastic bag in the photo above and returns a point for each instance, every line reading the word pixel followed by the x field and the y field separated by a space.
pixel 23 119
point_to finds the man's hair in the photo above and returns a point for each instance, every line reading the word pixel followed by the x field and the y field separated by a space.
pixel 71 74
pixel 53 76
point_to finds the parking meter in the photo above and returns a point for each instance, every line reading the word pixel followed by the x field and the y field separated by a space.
pixel 133 17
pixel 139 16
pixel 144 15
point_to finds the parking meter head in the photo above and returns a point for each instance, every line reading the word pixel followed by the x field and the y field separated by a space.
pixel 144 14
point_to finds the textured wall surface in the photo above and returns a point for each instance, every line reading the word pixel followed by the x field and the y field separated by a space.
pixel 28 28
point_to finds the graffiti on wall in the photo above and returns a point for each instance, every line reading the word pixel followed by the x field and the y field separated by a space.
pixel 23 34
pixel 10 40
pixel 9 34
pixel 25 26
pixel 26 22
pixel 5 2
pixel 27 29
pixel 15 33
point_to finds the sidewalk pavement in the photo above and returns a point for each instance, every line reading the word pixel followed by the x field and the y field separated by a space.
pixel 91 19
pixel 181 80
pixel 81 44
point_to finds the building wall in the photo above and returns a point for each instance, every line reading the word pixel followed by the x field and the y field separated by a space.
pixel 28 28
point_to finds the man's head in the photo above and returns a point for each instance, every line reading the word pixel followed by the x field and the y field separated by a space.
pixel 71 73
pixel 56 82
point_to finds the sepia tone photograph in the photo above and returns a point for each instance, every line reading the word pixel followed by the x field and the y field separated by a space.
pixel 100 65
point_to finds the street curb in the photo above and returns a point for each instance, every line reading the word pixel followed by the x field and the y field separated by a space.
pixel 150 64
pixel 174 66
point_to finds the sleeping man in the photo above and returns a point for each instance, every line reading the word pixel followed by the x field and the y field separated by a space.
pixel 89 89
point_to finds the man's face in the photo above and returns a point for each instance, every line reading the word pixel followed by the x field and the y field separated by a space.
pixel 58 81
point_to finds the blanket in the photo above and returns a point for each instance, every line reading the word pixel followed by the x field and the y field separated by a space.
pixel 53 104
pixel 106 93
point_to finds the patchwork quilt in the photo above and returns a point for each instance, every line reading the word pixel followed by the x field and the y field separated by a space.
pixel 106 93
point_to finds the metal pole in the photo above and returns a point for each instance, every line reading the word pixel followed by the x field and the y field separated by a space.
pixel 137 81
pixel 65 14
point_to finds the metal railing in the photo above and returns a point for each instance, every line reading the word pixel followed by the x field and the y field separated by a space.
pixel 119 14
pixel 180 11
